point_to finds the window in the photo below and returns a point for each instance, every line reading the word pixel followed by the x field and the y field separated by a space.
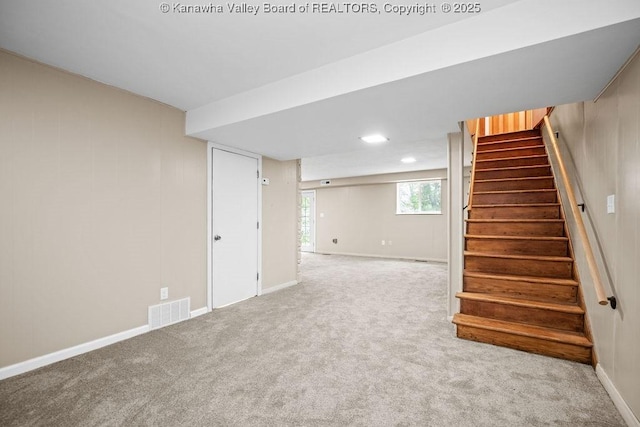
pixel 419 197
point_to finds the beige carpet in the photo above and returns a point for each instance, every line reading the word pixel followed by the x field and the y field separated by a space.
pixel 360 342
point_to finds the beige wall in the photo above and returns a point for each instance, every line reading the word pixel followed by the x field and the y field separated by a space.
pixel 361 216
pixel 280 222
pixel 102 203
pixel 604 141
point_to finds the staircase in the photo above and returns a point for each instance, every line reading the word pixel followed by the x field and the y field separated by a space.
pixel 520 287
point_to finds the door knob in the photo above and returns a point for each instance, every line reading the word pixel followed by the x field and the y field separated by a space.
pixel 216 237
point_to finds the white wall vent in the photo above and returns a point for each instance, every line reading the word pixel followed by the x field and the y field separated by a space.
pixel 325 182
pixel 169 313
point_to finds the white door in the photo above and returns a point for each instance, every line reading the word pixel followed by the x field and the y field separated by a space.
pixel 308 221
pixel 234 227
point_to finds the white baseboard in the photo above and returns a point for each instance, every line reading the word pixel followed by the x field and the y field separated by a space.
pixel 623 408
pixel 199 312
pixel 278 287
pixel 408 258
pixel 47 359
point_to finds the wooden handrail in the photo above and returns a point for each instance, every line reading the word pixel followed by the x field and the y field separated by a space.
pixel 473 162
pixel 591 260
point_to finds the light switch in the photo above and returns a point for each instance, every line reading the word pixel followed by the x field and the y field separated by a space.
pixel 611 204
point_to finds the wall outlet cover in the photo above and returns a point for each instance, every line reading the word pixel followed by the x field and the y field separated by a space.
pixel 164 293
pixel 265 181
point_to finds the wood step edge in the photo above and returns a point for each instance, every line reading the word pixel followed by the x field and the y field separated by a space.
pixel 498 192
pixel 535 156
pixel 519 205
pixel 499 237
pixel 519 257
pixel 529 178
pixel 531 331
pixel 514 220
pixel 528 279
pixel 521 302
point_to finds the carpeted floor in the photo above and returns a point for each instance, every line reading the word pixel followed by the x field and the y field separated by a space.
pixel 360 342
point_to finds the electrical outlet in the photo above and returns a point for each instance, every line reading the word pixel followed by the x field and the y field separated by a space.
pixel 390 243
pixel 164 293
pixel 382 243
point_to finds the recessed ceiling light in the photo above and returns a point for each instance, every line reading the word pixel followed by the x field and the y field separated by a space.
pixel 374 139
pixel 408 160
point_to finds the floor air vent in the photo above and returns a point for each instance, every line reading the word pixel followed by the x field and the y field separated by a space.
pixel 169 313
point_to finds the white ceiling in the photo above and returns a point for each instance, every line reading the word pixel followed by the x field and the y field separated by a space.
pixel 308 85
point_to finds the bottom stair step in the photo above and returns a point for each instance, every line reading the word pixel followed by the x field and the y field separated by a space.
pixel 534 339
pixel 567 317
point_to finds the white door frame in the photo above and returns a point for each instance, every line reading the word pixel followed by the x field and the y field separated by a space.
pixel 313 214
pixel 210 246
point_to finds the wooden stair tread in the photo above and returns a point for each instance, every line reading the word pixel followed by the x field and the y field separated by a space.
pixel 543 190
pixel 502 150
pixel 530 178
pixel 518 205
pixel 549 334
pixel 480 142
pixel 515 220
pixel 507 136
pixel 499 299
pixel 533 156
pixel 513 167
pixel 530 279
pixel 527 257
pixel 509 237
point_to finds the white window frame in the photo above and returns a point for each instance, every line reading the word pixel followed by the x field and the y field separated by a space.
pixel 398 184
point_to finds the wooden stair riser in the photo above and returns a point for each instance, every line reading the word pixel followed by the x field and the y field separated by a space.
pixel 517 172
pixel 508 153
pixel 521 289
pixel 527 315
pixel 510 136
pixel 519 267
pixel 517 143
pixel 498 228
pixel 515 212
pixel 530 183
pixel 523 246
pixel 512 162
pixel 515 197
pixel 529 344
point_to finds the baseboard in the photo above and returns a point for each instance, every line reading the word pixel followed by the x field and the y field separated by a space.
pixel 407 258
pixel 621 405
pixel 198 312
pixel 278 287
pixel 47 359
